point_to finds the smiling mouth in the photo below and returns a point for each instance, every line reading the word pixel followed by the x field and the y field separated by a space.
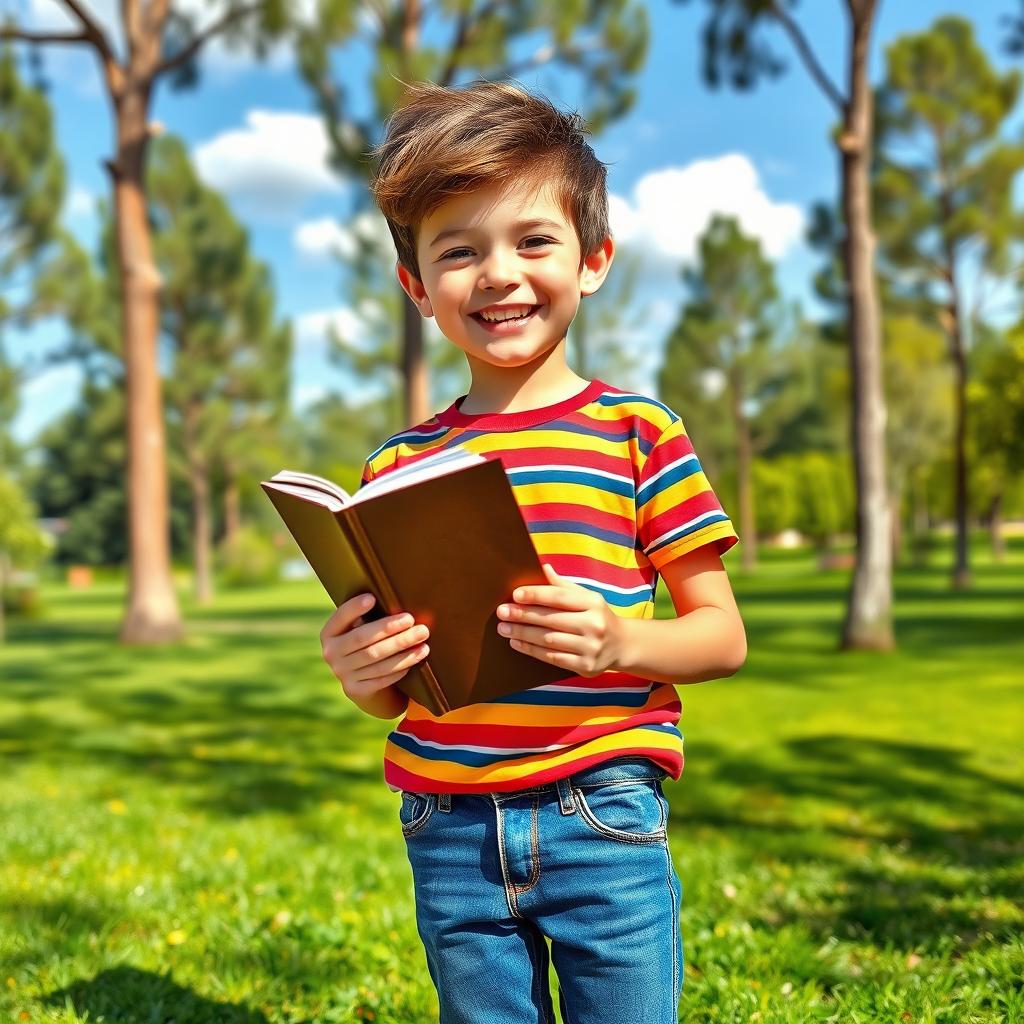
pixel 510 324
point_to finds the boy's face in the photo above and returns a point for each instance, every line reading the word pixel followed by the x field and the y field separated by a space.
pixel 493 257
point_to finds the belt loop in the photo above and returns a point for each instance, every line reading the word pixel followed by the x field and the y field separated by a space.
pixel 565 797
pixel 444 802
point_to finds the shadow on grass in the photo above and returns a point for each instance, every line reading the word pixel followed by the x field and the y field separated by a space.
pixel 918 838
pixel 128 995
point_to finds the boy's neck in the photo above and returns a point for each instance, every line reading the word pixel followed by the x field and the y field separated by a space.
pixel 511 389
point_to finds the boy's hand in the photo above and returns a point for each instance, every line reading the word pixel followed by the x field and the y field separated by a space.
pixel 367 657
pixel 564 624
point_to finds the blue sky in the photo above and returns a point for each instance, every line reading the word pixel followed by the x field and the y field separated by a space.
pixel 682 153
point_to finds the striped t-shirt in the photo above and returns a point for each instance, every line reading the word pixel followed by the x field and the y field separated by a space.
pixel 611 491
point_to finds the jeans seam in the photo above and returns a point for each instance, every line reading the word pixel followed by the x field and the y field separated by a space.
pixel 539 970
pixel 675 928
pixel 660 835
pixel 534 854
pixel 510 892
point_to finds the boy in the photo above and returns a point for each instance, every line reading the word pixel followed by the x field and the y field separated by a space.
pixel 542 815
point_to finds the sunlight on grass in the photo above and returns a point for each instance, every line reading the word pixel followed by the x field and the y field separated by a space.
pixel 202 833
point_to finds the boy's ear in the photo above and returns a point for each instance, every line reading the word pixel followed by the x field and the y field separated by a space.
pixel 596 266
pixel 413 287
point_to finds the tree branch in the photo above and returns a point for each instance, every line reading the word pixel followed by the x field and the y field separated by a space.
pixel 467 28
pixel 91 28
pixel 806 54
pixel 13 32
pixel 196 43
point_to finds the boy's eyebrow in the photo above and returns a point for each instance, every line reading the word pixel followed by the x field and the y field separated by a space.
pixel 521 226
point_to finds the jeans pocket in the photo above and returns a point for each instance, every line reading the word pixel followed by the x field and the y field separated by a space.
pixel 415 811
pixel 631 811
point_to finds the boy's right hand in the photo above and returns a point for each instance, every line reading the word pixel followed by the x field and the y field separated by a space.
pixel 367 657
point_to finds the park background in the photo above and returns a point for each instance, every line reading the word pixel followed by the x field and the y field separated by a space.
pixel 193 822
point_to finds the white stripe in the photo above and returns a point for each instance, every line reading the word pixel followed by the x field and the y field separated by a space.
pixel 669 468
pixel 680 529
pixel 584 580
pixel 485 750
pixel 556 687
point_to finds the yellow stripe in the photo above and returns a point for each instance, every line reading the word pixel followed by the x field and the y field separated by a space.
pixel 508 771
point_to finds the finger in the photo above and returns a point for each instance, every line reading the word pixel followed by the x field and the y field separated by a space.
pixel 548 639
pixel 398 653
pixel 346 614
pixel 563 659
pixel 550 618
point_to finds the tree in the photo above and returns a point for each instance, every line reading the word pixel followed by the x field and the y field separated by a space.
pixel 945 193
pixel 31 195
pixel 919 401
pixel 162 43
pixel 605 40
pixel 734 49
pixel 20 538
pixel 733 327
pixel 229 360
pixel 995 402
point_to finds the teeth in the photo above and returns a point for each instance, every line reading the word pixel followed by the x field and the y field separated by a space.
pixel 512 313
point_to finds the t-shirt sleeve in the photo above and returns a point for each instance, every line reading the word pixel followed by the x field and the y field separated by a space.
pixel 367 475
pixel 677 510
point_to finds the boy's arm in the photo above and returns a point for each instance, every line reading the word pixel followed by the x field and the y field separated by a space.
pixel 706 641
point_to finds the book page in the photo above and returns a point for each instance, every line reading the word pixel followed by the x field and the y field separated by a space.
pixel 433 466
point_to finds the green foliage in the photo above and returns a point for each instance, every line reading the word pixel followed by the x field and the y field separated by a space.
pixel 203 834
pixel 809 491
pixel 249 559
pixel 735 352
pixel 944 180
pixel 20 539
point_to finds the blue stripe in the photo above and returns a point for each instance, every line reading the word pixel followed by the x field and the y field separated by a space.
pixel 665 481
pixel 676 535
pixel 613 400
pixel 520 477
pixel 588 699
pixel 574 526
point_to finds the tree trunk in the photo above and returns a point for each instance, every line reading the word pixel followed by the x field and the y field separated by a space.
pixel 868 623
pixel 895 501
pixel 995 527
pixel 4 563
pixel 199 484
pixel 961 569
pixel 744 485
pixel 414 369
pixel 232 514
pixel 152 613
pixel 201 532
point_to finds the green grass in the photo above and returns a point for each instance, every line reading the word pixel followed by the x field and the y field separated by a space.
pixel 202 834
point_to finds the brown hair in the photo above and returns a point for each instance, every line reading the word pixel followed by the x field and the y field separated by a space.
pixel 444 142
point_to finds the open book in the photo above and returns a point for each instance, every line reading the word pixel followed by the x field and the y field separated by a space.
pixel 443 540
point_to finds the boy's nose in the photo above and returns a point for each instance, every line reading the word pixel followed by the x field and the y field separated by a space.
pixel 498 271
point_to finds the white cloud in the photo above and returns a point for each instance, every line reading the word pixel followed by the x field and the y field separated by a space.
pixel 325 237
pixel 311 329
pixel 79 203
pixel 670 208
pixel 277 161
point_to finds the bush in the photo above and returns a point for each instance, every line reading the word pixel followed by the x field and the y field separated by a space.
pixel 249 560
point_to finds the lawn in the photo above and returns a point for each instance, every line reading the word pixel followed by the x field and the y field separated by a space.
pixel 202 834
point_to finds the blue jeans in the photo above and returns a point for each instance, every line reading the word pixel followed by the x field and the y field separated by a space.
pixel 583 861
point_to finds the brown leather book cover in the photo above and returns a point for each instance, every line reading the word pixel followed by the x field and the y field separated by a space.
pixel 448 551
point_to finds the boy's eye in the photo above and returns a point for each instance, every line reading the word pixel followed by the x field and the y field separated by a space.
pixel 454 254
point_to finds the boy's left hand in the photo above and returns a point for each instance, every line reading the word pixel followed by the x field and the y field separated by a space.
pixel 564 624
